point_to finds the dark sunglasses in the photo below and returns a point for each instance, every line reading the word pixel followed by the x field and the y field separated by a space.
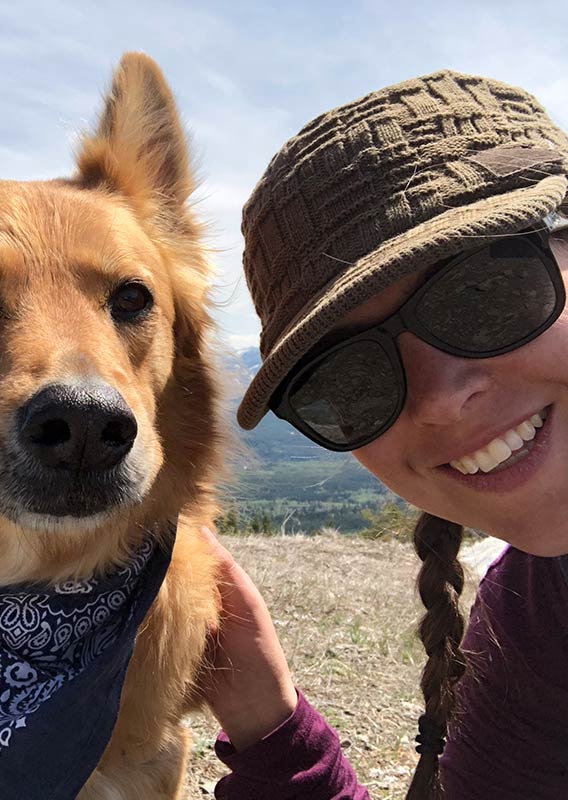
pixel 482 303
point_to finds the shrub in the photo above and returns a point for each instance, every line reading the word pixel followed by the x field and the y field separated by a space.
pixel 391 521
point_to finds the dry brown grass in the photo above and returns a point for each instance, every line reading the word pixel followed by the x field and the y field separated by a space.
pixel 346 611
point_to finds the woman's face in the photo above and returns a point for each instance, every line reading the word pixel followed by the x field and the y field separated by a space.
pixel 455 407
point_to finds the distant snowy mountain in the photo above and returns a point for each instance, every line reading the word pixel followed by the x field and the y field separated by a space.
pixel 239 368
pixel 251 359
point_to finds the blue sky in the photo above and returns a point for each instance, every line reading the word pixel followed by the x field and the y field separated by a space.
pixel 247 76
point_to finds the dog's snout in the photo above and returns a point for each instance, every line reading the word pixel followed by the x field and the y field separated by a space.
pixel 77 427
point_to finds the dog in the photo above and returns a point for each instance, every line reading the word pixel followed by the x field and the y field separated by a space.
pixel 110 438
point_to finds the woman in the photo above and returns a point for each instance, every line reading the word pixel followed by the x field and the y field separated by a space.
pixel 407 256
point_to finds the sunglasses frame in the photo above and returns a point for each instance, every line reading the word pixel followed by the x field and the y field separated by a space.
pixel 404 319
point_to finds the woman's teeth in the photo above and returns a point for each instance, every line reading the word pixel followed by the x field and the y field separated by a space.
pixel 500 449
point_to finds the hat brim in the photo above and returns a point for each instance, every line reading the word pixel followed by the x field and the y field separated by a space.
pixel 420 247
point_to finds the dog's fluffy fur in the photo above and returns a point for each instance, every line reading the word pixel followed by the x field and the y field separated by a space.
pixel 64 245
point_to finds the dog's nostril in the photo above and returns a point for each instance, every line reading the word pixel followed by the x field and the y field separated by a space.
pixel 51 433
pixel 119 433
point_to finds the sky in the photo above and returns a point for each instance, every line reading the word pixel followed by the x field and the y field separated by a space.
pixel 247 76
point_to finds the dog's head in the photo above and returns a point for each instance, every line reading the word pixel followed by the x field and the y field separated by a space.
pixel 106 399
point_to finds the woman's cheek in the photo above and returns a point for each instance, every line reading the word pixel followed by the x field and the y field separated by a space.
pixel 386 464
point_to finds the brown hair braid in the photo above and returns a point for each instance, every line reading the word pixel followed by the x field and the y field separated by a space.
pixel 440 583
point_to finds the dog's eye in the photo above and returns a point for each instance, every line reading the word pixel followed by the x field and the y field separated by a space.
pixel 130 301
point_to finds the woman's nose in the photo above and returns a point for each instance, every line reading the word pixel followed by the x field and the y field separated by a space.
pixel 441 388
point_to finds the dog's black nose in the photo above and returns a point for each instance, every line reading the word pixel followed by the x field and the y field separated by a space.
pixel 78 427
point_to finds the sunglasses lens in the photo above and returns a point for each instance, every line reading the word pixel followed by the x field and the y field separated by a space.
pixel 352 393
pixel 490 301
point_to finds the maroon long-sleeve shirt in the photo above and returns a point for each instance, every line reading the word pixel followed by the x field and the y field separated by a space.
pixel 510 738
pixel 301 759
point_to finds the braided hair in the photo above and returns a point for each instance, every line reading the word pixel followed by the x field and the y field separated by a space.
pixel 440 584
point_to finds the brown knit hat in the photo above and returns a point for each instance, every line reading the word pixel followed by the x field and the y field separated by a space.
pixel 383 187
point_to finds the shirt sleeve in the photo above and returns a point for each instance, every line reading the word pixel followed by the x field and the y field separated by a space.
pixel 300 759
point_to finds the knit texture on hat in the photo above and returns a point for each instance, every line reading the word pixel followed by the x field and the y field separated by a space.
pixel 335 214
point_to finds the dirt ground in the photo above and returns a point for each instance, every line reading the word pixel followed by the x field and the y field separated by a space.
pixel 346 612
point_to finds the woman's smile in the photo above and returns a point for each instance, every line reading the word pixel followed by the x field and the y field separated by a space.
pixel 517 468
pixel 500 450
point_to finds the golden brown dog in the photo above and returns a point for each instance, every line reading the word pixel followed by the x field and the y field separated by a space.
pixel 104 288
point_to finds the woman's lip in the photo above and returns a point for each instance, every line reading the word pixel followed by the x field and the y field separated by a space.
pixel 510 478
pixel 502 431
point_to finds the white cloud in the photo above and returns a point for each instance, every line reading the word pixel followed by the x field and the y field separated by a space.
pixel 554 95
pixel 241 341
pixel 223 196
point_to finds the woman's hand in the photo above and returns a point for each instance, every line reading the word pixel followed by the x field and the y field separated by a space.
pixel 248 685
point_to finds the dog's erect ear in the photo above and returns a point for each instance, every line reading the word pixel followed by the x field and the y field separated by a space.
pixel 139 148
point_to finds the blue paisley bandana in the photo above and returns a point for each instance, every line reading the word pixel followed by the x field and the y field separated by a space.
pixel 64 651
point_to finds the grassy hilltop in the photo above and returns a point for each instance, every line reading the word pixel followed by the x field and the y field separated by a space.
pixel 346 611
pixel 349 637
